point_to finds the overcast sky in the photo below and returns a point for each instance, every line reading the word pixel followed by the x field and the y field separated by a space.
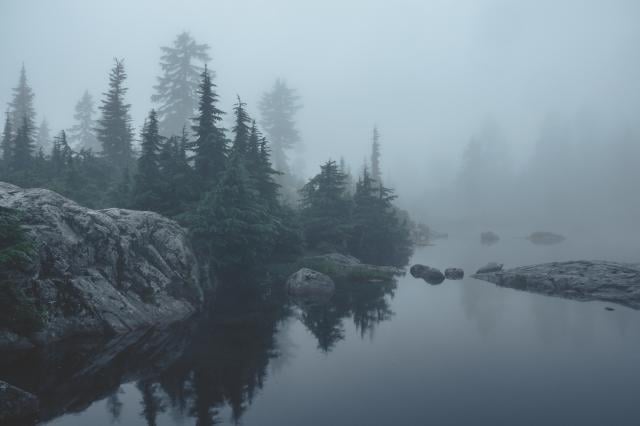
pixel 428 72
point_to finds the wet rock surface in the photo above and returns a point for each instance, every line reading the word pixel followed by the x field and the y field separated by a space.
pixel 100 271
pixel 453 273
pixel 307 283
pixel 16 405
pixel 427 273
pixel 580 280
pixel 490 267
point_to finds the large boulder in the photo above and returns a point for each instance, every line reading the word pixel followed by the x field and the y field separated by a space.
pixel 99 271
pixel 307 283
pixel 16 406
pixel 427 273
pixel 581 280
pixel 490 267
pixel 453 273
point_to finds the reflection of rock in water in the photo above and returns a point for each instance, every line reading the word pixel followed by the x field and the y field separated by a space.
pixel 545 238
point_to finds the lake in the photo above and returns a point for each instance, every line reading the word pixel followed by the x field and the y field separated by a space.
pixel 463 352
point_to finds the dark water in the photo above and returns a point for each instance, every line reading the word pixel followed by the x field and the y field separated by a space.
pixel 463 352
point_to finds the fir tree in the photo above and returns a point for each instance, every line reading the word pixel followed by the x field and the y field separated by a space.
pixel 146 190
pixel 22 104
pixel 7 140
pixel 375 156
pixel 176 176
pixel 241 129
pixel 43 140
pixel 278 108
pixel 23 147
pixel 210 146
pixel 82 133
pixel 176 91
pixel 326 209
pixel 114 126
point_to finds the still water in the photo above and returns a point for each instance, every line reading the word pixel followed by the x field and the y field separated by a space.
pixel 463 352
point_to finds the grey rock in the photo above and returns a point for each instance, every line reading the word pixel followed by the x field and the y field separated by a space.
pixel 489 238
pixel 490 267
pixel 427 273
pixel 307 283
pixel 340 267
pixel 453 273
pixel 545 238
pixel 580 280
pixel 101 271
pixel 16 405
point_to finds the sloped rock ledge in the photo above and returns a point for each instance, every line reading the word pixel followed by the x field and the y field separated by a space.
pixel 579 280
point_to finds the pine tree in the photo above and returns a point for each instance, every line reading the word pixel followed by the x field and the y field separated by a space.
pixel 176 184
pixel 146 191
pixel 82 133
pixel 241 129
pixel 43 140
pixel 210 145
pixel 22 104
pixel 7 140
pixel 278 108
pixel 61 154
pixel 326 209
pixel 375 156
pixel 23 147
pixel 176 91
pixel 114 126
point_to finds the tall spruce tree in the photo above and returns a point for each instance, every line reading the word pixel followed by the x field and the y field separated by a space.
pixel 278 108
pixel 23 147
pixel 114 126
pixel 326 209
pixel 7 140
pixel 82 133
pixel 43 139
pixel 176 176
pixel 210 146
pixel 146 190
pixel 375 156
pixel 176 91
pixel 241 129
pixel 22 104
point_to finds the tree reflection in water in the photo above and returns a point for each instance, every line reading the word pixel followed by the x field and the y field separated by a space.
pixel 197 368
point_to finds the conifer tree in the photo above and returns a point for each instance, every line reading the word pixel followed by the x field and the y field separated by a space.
pixel 176 91
pixel 82 133
pixel 43 139
pixel 61 154
pixel 23 147
pixel 146 191
pixel 241 129
pixel 7 140
pixel 176 176
pixel 210 146
pixel 114 126
pixel 22 104
pixel 375 156
pixel 278 108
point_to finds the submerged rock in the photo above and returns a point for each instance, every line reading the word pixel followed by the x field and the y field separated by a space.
pixel 545 238
pixel 427 273
pixel 307 283
pixel 580 280
pixel 99 271
pixel 453 273
pixel 489 238
pixel 339 266
pixel 490 267
pixel 16 406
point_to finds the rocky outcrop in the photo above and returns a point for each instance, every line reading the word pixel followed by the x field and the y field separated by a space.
pixel 427 273
pixel 307 283
pixel 580 280
pixel 104 271
pixel 16 406
pixel 545 238
pixel 453 273
pixel 490 267
pixel 344 267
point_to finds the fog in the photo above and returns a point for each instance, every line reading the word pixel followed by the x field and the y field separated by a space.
pixel 547 90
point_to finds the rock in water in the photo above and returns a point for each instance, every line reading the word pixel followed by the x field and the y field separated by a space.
pixel 427 273
pixel 453 273
pixel 100 271
pixel 490 267
pixel 16 405
pixel 580 280
pixel 545 238
pixel 307 283
pixel 489 238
